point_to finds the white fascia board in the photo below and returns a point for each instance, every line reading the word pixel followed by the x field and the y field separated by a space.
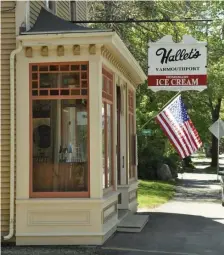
pixel 66 39
pixel 123 51
pixel 109 39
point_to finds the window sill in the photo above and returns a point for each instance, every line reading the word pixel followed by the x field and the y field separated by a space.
pixel 108 190
pixel 59 195
pixel 110 194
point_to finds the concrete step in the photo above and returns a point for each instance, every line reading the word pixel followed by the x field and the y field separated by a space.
pixel 122 213
pixel 133 223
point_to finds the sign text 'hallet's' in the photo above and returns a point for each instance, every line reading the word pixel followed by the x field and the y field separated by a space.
pixel 177 66
pixel 180 55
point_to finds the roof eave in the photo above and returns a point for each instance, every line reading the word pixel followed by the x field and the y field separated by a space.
pixel 131 61
pixel 106 38
pixel 66 32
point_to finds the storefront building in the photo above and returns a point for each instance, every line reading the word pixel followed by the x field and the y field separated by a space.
pixel 76 164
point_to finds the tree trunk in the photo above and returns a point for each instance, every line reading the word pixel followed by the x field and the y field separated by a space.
pixel 214 152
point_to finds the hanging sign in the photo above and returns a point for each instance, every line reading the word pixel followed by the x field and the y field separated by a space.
pixel 177 66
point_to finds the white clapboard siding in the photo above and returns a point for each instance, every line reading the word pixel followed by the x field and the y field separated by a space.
pixel 81 10
pixel 35 7
pixel 63 10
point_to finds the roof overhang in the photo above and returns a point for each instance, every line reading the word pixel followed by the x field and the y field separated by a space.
pixel 109 39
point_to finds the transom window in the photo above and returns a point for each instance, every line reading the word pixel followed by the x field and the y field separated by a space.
pixel 59 130
pixel 59 80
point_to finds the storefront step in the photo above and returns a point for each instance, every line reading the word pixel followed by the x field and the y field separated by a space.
pixel 132 223
pixel 122 214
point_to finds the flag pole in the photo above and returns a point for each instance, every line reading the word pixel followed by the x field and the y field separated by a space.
pixel 160 110
pixel 170 100
pixel 154 115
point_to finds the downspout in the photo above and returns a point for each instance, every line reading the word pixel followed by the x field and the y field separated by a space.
pixel 12 139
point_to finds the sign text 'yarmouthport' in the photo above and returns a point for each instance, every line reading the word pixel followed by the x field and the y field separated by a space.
pixel 177 66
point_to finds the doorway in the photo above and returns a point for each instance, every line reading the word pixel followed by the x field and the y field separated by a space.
pixel 118 135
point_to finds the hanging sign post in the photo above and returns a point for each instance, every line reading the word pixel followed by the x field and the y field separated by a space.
pixel 177 66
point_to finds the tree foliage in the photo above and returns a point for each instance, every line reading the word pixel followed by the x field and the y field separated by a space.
pixel 205 107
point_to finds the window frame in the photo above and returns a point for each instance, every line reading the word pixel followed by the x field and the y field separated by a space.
pixel 131 136
pixel 73 9
pixel 57 194
pixel 108 98
pixel 54 9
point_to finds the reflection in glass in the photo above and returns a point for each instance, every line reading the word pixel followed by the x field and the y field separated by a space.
pixel 103 144
pixel 59 80
pixel 34 68
pixel 131 146
pixel 60 152
pixel 109 146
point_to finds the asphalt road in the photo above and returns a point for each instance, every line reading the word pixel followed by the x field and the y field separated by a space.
pixel 191 224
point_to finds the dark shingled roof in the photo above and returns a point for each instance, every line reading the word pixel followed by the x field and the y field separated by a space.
pixel 48 23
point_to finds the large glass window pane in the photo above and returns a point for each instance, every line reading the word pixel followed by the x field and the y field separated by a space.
pixel 103 144
pixel 130 146
pixel 60 145
pixel 109 145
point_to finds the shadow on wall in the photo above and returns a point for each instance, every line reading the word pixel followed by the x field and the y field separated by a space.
pixel 172 234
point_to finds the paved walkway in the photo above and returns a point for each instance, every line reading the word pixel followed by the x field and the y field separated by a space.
pixel 191 224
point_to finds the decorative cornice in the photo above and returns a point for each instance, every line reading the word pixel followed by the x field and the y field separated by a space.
pixel 44 51
pixel 109 56
pixel 76 49
pixel 60 50
pixel 92 49
pixel 29 52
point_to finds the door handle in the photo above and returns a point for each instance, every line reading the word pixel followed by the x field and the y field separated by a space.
pixel 123 162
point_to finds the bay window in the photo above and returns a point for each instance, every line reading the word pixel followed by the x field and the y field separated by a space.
pixel 59 139
pixel 107 128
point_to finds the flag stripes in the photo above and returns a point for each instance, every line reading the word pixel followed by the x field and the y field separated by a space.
pixel 178 127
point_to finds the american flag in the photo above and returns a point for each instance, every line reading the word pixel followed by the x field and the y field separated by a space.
pixel 176 124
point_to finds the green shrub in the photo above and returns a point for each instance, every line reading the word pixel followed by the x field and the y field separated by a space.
pixel 152 153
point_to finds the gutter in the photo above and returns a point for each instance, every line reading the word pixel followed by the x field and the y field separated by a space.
pixel 12 139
